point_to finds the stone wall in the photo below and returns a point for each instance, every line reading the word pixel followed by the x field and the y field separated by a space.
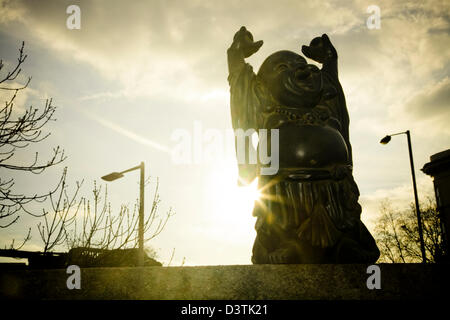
pixel 241 282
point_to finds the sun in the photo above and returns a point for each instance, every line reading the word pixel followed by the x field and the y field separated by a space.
pixel 232 204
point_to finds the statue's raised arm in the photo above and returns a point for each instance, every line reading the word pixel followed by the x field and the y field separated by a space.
pixel 243 46
pixel 245 92
pixel 322 51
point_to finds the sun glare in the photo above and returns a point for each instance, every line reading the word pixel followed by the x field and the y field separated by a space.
pixel 230 203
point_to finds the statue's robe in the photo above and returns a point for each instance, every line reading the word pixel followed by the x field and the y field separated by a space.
pixel 308 201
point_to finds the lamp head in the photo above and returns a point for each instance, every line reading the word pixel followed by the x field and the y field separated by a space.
pixel 112 176
pixel 385 140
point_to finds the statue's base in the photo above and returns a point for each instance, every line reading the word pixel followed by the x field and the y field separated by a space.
pixel 241 282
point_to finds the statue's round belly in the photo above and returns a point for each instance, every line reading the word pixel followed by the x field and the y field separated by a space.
pixel 311 146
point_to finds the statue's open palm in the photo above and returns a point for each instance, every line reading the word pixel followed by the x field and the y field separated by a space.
pixel 243 42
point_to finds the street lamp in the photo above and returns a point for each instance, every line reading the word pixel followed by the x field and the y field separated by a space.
pixel 386 140
pixel 116 175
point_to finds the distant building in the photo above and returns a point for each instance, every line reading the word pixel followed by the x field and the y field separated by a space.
pixel 439 169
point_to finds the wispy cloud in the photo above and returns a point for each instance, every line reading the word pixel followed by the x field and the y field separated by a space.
pixel 127 133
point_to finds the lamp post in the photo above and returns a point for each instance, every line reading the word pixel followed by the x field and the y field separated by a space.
pixel 386 140
pixel 116 175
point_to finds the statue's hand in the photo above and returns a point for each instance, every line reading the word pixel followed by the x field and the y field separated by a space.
pixel 243 42
pixel 320 49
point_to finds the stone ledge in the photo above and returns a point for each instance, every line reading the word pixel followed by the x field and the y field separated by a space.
pixel 239 282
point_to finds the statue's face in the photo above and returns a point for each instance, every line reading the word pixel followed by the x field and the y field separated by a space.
pixel 291 81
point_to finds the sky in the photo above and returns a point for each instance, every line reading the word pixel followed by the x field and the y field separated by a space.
pixel 138 75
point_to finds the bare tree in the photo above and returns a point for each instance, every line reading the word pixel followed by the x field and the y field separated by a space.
pixel 397 234
pixel 432 232
pixel 91 223
pixel 17 131
pixel 13 246
pixel 101 229
pixel 62 214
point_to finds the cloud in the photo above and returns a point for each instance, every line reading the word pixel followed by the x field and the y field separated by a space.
pixel 11 11
pixel 178 47
pixel 23 100
pixel 172 54
pixel 401 197
pixel 176 51
pixel 432 101
pixel 127 133
pixel 426 110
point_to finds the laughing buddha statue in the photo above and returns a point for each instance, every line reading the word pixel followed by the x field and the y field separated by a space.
pixel 309 210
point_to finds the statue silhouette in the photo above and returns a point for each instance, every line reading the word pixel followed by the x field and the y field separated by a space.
pixel 309 210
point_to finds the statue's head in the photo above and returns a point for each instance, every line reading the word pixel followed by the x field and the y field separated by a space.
pixel 291 80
